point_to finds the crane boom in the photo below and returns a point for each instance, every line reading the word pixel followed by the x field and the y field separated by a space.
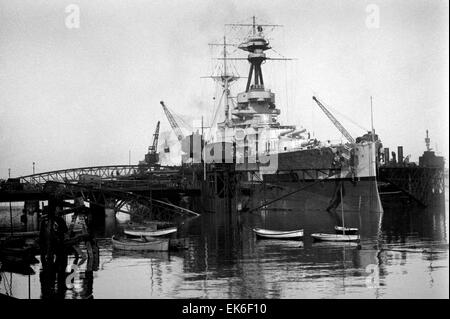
pixel 335 121
pixel 154 146
pixel 173 123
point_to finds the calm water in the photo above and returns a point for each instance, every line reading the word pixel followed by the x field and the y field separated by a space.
pixel 225 260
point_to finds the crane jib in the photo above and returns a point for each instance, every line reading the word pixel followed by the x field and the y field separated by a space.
pixel 335 121
pixel 175 127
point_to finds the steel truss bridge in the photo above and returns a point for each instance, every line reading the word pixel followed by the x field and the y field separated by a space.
pixel 110 172
pixel 113 198
pixel 113 186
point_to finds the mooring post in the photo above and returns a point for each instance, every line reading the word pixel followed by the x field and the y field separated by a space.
pixel 98 212
pixel 11 218
pixel 47 236
pixel 90 254
pixel 51 245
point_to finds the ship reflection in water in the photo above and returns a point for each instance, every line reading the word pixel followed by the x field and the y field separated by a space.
pixel 403 254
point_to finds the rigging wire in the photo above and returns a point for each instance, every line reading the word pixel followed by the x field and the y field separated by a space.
pixel 345 116
pixel 278 53
pixel 285 80
pixel 182 122
pixel 215 106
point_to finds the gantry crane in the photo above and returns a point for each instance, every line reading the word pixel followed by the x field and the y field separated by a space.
pixel 173 123
pixel 335 121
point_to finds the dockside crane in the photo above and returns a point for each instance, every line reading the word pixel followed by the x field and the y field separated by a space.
pixel 335 121
pixel 154 147
pixel 152 156
pixel 175 127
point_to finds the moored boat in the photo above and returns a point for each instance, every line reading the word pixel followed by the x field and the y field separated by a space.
pixel 18 251
pixel 334 237
pixel 20 234
pixel 345 230
pixel 278 234
pixel 148 231
pixel 156 224
pixel 407 250
pixel 335 244
pixel 140 244
pixel 17 267
pixel 342 234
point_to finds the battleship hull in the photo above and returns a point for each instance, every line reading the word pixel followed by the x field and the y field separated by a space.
pixel 322 194
pixel 318 180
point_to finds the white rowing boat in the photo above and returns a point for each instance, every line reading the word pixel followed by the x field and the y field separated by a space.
pixel 407 250
pixel 334 237
pixel 280 243
pixel 335 244
pixel 139 231
pixel 350 234
pixel 348 230
pixel 278 234
pixel 140 244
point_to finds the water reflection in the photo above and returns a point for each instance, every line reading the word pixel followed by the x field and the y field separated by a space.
pixel 403 253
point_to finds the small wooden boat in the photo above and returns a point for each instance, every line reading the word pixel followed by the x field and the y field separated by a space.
pixel 335 244
pixel 277 209
pixel 18 251
pixel 280 243
pixel 407 250
pixel 158 256
pixel 156 224
pixel 140 231
pixel 340 236
pixel 17 257
pixel 278 234
pixel 348 230
pixel 20 234
pixel 20 268
pixel 334 237
pixel 140 244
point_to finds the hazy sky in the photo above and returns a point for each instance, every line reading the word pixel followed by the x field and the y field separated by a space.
pixel 86 96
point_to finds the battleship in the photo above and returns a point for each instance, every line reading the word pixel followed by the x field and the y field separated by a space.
pixel 242 215
pixel 252 137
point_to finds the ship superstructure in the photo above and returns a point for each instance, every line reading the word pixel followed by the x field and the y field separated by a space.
pixel 255 110
pixel 252 127
pixel 254 117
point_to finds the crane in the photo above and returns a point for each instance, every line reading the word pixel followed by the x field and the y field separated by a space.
pixel 335 121
pixel 176 128
pixel 152 157
pixel 153 148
